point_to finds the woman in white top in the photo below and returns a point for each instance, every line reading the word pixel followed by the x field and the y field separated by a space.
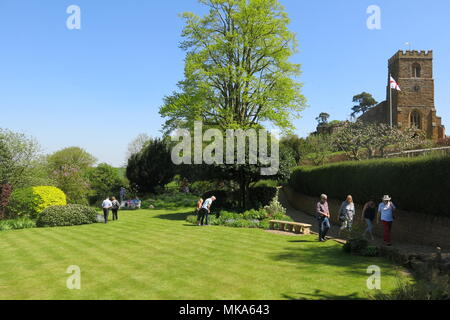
pixel 347 214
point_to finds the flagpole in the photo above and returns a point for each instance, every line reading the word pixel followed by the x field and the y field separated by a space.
pixel 390 98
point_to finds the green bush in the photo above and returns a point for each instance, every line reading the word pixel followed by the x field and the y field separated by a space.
pixel 259 197
pixel 255 214
pixel 171 201
pixel 357 246
pixel 408 181
pixel 201 187
pixel 248 219
pixel 30 202
pixel 370 251
pixel 266 184
pixel 69 215
pixel 22 223
pixel 423 290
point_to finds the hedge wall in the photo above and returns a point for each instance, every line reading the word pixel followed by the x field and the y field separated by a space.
pixel 418 184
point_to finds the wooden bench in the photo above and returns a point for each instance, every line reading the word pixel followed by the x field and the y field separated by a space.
pixel 299 228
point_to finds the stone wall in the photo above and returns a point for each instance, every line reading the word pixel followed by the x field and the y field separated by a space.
pixel 410 227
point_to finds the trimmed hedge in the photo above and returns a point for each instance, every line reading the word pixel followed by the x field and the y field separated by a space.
pixel 69 215
pixel 418 184
pixel 30 202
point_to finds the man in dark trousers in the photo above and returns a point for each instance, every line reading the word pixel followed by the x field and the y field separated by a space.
pixel 205 211
pixel 323 215
pixel 106 206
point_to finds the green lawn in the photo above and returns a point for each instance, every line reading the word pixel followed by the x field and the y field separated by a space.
pixel 157 255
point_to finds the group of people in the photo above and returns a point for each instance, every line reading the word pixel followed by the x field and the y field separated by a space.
pixel 110 204
pixel 384 213
pixel 203 210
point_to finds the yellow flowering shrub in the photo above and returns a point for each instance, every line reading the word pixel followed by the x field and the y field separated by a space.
pixel 32 201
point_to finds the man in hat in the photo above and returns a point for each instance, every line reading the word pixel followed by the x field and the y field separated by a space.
pixel 323 215
pixel 386 211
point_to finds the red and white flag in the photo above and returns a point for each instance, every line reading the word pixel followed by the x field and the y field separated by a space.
pixel 394 84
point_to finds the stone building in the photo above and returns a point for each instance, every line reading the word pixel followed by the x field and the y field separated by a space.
pixel 414 105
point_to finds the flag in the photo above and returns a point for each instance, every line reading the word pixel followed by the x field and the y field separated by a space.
pixel 394 84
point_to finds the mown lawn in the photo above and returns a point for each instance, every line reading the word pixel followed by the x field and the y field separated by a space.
pixel 157 255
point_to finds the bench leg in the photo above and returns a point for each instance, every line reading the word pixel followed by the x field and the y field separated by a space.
pixel 298 230
pixel 306 231
pixel 282 226
pixel 290 228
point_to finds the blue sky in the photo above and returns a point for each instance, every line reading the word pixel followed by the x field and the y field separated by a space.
pixel 99 87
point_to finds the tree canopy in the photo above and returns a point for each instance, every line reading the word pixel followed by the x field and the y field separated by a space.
pixel 237 70
pixel 365 103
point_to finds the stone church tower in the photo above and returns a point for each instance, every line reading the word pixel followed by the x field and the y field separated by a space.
pixel 414 105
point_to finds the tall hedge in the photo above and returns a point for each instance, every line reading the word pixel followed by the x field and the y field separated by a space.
pixel 30 202
pixel 418 184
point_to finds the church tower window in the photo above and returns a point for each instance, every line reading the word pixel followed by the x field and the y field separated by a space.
pixel 416 120
pixel 416 70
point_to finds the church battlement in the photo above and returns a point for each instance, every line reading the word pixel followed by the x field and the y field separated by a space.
pixel 412 54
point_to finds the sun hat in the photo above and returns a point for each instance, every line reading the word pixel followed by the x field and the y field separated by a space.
pixel 387 198
pixel 324 196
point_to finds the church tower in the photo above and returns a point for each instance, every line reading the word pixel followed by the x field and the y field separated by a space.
pixel 414 105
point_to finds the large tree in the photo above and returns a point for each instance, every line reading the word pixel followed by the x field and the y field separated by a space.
pixel 69 168
pixel 152 167
pixel 365 102
pixel 18 156
pixel 323 118
pixel 237 72
pixel 105 181
pixel 137 144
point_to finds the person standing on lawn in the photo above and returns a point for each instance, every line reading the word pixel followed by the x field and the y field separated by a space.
pixel 106 206
pixel 115 208
pixel 323 215
pixel 198 208
pixel 368 214
pixel 386 211
pixel 346 214
pixel 205 211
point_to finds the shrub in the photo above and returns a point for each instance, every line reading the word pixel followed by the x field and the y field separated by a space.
pixel 266 184
pixel 170 201
pixel 201 187
pixel 191 219
pixel 275 207
pixel 255 214
pixel 370 251
pixel 22 223
pixel 357 246
pixel 436 289
pixel 259 197
pixel 69 215
pixel 404 179
pixel 30 202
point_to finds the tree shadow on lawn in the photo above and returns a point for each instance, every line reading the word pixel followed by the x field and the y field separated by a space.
pixel 175 216
pixel 311 257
